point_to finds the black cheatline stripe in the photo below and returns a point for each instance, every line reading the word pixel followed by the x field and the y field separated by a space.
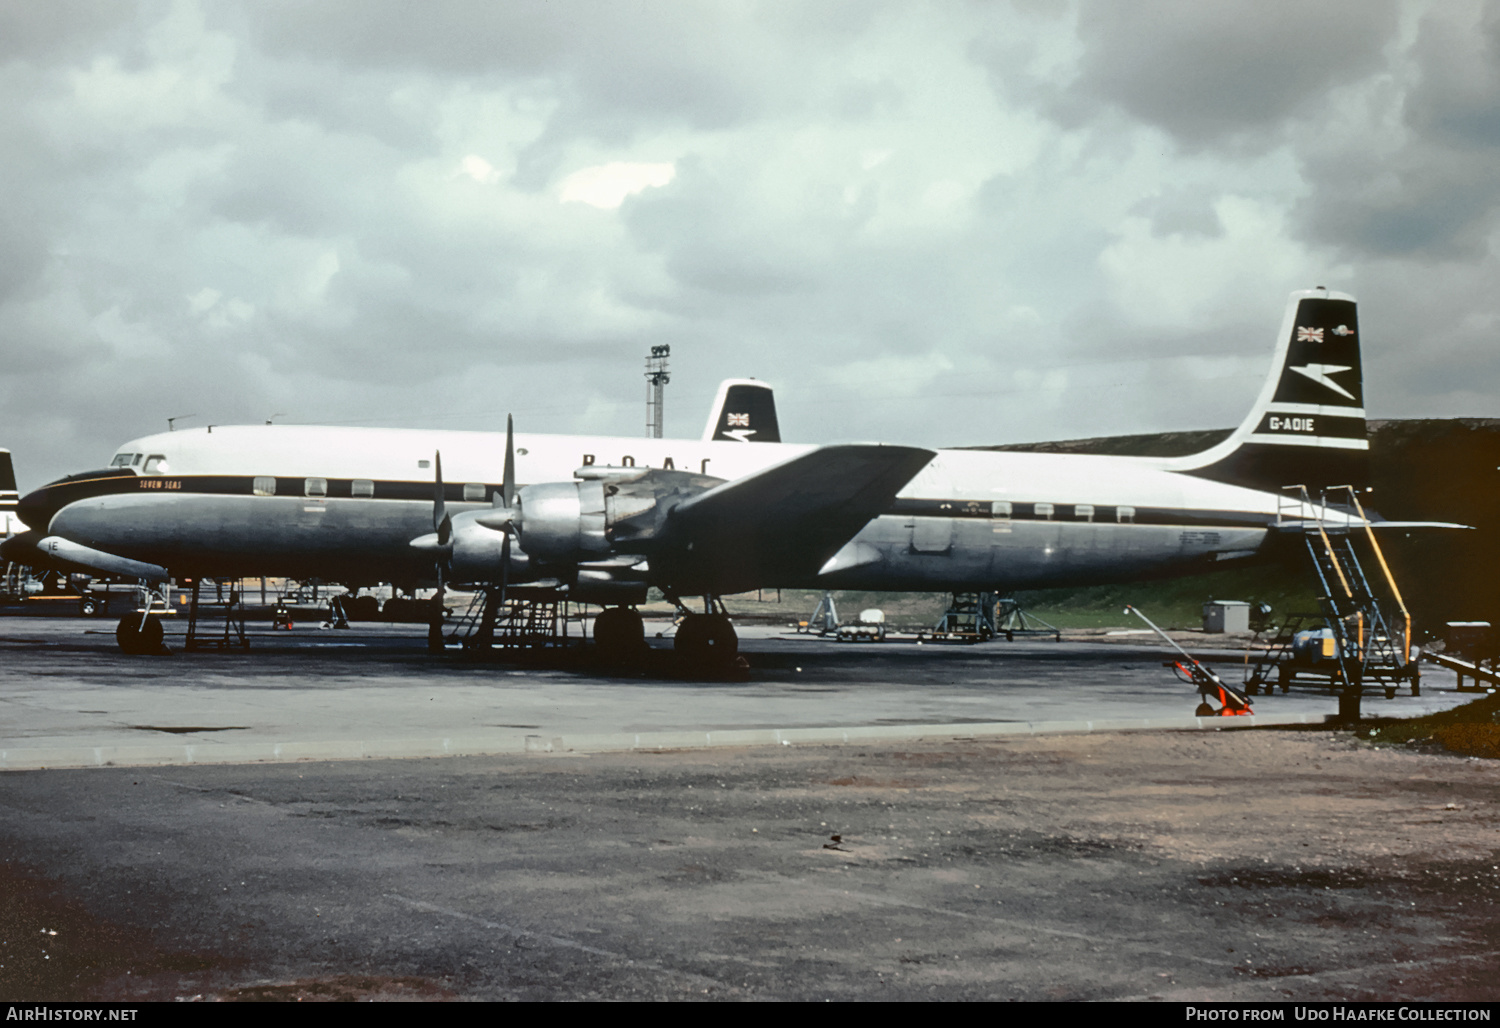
pixel 49 499
pixel 1068 513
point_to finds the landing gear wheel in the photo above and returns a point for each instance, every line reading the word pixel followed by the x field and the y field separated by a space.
pixel 435 641
pixel 619 635
pixel 707 641
pixel 136 639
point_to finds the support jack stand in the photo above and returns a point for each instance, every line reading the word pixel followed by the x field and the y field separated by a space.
pixel 824 620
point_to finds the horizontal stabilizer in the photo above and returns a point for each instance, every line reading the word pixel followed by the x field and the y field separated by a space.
pixel 782 524
pixel 1332 522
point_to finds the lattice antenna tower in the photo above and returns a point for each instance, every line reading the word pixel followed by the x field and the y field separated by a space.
pixel 656 382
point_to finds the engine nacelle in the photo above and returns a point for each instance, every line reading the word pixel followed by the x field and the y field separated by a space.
pixel 611 510
pixel 562 522
pixel 477 554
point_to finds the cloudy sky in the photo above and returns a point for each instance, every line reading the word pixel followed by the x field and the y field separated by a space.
pixel 947 223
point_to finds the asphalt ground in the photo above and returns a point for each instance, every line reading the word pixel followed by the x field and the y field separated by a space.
pixel 69 698
pixel 932 856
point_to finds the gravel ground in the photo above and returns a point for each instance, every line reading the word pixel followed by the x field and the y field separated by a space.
pixel 1254 865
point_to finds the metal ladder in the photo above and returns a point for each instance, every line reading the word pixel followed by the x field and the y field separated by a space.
pixel 527 618
pixel 1371 630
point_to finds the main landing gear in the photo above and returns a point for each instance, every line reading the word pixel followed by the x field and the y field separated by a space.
pixel 707 641
pixel 704 643
pixel 620 635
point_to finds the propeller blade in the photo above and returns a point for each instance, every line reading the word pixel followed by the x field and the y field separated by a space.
pixel 504 565
pixel 442 524
pixel 508 487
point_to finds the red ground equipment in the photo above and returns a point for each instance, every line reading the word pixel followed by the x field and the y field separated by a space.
pixel 1211 687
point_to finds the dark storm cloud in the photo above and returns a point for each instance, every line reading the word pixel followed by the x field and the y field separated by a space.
pixel 1433 191
pixel 61 29
pixel 1457 99
pixel 366 211
pixel 1204 72
pixel 656 60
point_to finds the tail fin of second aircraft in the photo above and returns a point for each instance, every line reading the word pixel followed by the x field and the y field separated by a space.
pixel 744 411
pixel 8 495
pixel 1308 425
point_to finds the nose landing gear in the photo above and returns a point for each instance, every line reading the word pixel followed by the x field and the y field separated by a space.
pixel 137 635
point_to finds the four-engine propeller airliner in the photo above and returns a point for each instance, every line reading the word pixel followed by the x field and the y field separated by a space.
pixel 734 510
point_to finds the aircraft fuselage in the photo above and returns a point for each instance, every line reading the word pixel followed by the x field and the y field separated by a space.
pixel 343 504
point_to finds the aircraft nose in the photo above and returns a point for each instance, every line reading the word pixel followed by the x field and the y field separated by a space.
pixel 36 508
pixel 20 549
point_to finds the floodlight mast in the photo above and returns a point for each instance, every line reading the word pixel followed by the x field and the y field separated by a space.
pixel 656 379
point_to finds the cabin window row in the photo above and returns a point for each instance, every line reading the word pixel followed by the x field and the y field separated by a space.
pixel 359 488
pixel 1005 510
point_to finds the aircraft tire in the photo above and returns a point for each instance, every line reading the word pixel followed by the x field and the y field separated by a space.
pixel 619 635
pixel 707 641
pixel 362 608
pixel 127 635
pixel 135 639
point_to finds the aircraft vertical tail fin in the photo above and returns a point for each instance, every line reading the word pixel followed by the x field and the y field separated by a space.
pixel 1307 427
pixel 8 495
pixel 744 411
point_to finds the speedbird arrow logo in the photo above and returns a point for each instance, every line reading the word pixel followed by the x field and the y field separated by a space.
pixel 1319 373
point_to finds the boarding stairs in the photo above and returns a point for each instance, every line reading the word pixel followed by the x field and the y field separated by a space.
pixel 1369 627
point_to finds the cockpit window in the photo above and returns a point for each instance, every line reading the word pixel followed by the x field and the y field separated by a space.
pixel 156 464
pixel 125 460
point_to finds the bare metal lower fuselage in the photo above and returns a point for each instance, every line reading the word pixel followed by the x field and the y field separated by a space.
pixel 364 541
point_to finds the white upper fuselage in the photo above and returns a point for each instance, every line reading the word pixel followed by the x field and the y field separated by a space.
pixel 383 454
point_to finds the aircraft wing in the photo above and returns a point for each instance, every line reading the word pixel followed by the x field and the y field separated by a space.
pixel 781 524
